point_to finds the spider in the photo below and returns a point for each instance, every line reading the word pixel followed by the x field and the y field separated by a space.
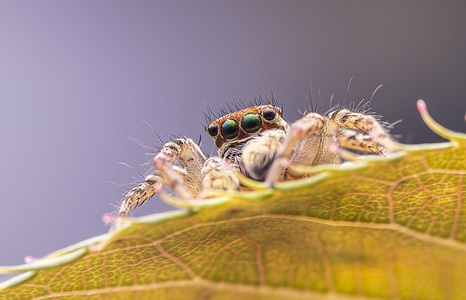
pixel 258 143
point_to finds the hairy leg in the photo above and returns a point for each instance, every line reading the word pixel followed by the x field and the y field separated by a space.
pixel 185 180
pixel 306 126
pixel 359 141
pixel 346 119
pixel 139 194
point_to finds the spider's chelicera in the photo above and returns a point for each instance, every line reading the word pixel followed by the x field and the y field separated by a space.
pixel 258 143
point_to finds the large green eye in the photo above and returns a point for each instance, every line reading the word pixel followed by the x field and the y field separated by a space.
pixel 212 130
pixel 251 123
pixel 230 129
pixel 269 114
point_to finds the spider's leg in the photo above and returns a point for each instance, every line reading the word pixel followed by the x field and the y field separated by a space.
pixel 366 123
pixel 351 139
pixel 184 180
pixel 139 194
pixel 299 130
pixel 219 174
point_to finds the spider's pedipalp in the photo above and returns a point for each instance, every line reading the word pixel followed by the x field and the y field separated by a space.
pixel 219 174
pixel 259 153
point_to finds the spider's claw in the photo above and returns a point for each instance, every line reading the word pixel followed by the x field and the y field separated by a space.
pixel 109 218
pixel 30 259
pixel 285 162
pixel 115 221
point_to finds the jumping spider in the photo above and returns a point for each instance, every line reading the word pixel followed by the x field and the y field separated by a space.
pixel 259 144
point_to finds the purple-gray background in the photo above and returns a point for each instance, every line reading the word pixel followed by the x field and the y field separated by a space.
pixel 78 78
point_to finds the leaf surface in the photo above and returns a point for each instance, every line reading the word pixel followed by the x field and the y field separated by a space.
pixel 376 228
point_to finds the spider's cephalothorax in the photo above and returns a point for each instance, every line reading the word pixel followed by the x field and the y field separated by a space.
pixel 234 131
pixel 260 144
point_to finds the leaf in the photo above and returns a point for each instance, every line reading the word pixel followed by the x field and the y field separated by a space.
pixel 376 228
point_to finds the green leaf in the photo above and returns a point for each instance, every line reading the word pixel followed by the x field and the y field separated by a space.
pixel 383 228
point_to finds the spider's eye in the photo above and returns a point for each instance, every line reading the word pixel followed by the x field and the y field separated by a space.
pixel 212 130
pixel 269 114
pixel 251 123
pixel 230 129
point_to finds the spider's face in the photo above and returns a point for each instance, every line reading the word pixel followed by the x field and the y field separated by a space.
pixel 239 126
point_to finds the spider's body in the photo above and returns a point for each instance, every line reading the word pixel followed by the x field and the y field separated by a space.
pixel 257 142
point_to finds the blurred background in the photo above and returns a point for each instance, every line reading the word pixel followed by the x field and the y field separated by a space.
pixel 78 78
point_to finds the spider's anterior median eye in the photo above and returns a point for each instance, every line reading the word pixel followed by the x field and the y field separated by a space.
pixel 269 114
pixel 212 130
pixel 230 129
pixel 251 123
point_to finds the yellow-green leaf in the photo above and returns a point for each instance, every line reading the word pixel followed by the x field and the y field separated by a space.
pixel 376 228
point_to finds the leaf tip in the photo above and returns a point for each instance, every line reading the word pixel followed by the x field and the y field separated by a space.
pixel 421 106
pixel 434 126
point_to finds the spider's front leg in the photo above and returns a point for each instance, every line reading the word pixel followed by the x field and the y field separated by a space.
pixel 219 175
pixel 302 131
pixel 185 180
pixel 139 194
pixel 196 174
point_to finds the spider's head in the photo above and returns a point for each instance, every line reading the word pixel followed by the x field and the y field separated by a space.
pixel 239 126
